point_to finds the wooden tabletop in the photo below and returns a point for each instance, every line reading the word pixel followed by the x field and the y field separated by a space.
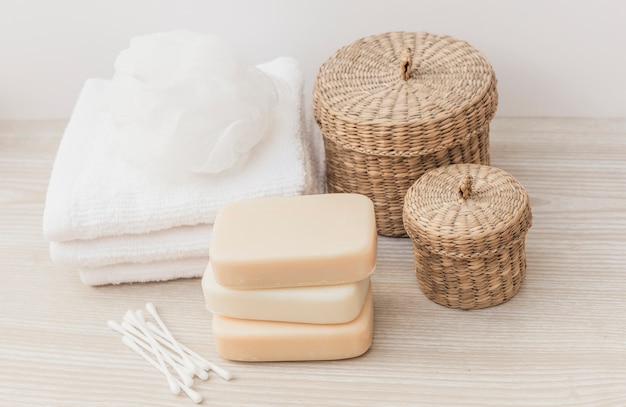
pixel 561 341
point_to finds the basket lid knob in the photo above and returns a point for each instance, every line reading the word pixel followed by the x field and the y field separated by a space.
pixel 406 63
pixel 465 187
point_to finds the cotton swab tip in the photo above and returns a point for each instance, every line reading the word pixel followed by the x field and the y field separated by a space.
pixel 151 308
pixel 223 373
pixel 202 374
pixel 193 395
pixel 174 387
pixel 115 326
pixel 139 317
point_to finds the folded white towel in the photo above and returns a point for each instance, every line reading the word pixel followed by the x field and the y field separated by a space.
pixel 169 244
pixel 93 193
pixel 144 272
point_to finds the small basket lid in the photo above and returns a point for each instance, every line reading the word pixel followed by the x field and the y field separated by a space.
pixel 414 83
pixel 466 210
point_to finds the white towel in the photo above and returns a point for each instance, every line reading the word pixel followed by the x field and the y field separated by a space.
pixel 144 272
pixel 93 193
pixel 117 225
pixel 169 244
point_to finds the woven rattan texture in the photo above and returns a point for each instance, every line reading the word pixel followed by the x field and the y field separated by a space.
pixel 382 131
pixel 468 223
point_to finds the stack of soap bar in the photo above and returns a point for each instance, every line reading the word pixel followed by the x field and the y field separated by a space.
pixel 289 278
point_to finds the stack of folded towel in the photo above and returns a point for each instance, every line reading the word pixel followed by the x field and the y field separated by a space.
pixel 117 224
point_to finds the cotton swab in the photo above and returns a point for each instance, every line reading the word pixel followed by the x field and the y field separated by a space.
pixel 175 357
pixel 221 372
pixel 176 346
pixel 138 321
pixel 132 334
pixel 198 369
pixel 181 370
pixel 145 338
pixel 175 385
pixel 166 334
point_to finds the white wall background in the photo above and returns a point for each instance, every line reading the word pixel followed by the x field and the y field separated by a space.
pixel 551 57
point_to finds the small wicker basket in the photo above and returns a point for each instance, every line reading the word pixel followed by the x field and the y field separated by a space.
pixel 395 105
pixel 468 223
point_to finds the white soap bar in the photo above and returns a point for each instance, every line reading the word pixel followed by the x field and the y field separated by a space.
pixel 294 241
pixel 332 304
pixel 263 341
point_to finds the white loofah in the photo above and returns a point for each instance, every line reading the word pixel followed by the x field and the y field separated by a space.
pixel 184 102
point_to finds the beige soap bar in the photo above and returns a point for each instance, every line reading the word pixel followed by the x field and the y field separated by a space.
pixel 265 341
pixel 294 241
pixel 330 304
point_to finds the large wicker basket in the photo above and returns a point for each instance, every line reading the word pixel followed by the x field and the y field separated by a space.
pixel 468 223
pixel 395 105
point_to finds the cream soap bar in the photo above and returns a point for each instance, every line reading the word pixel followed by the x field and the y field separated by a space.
pixel 294 241
pixel 331 304
pixel 266 341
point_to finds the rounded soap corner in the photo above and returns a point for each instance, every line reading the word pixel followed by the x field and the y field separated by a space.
pixel 366 201
pixel 225 355
pixel 361 351
pixel 365 349
pixel 205 282
pixel 368 274
pixel 208 269
pixel 218 266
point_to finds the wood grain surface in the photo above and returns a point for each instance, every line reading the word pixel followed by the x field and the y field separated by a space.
pixel 560 342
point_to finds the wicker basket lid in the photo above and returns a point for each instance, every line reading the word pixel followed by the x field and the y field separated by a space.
pixel 416 83
pixel 466 210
